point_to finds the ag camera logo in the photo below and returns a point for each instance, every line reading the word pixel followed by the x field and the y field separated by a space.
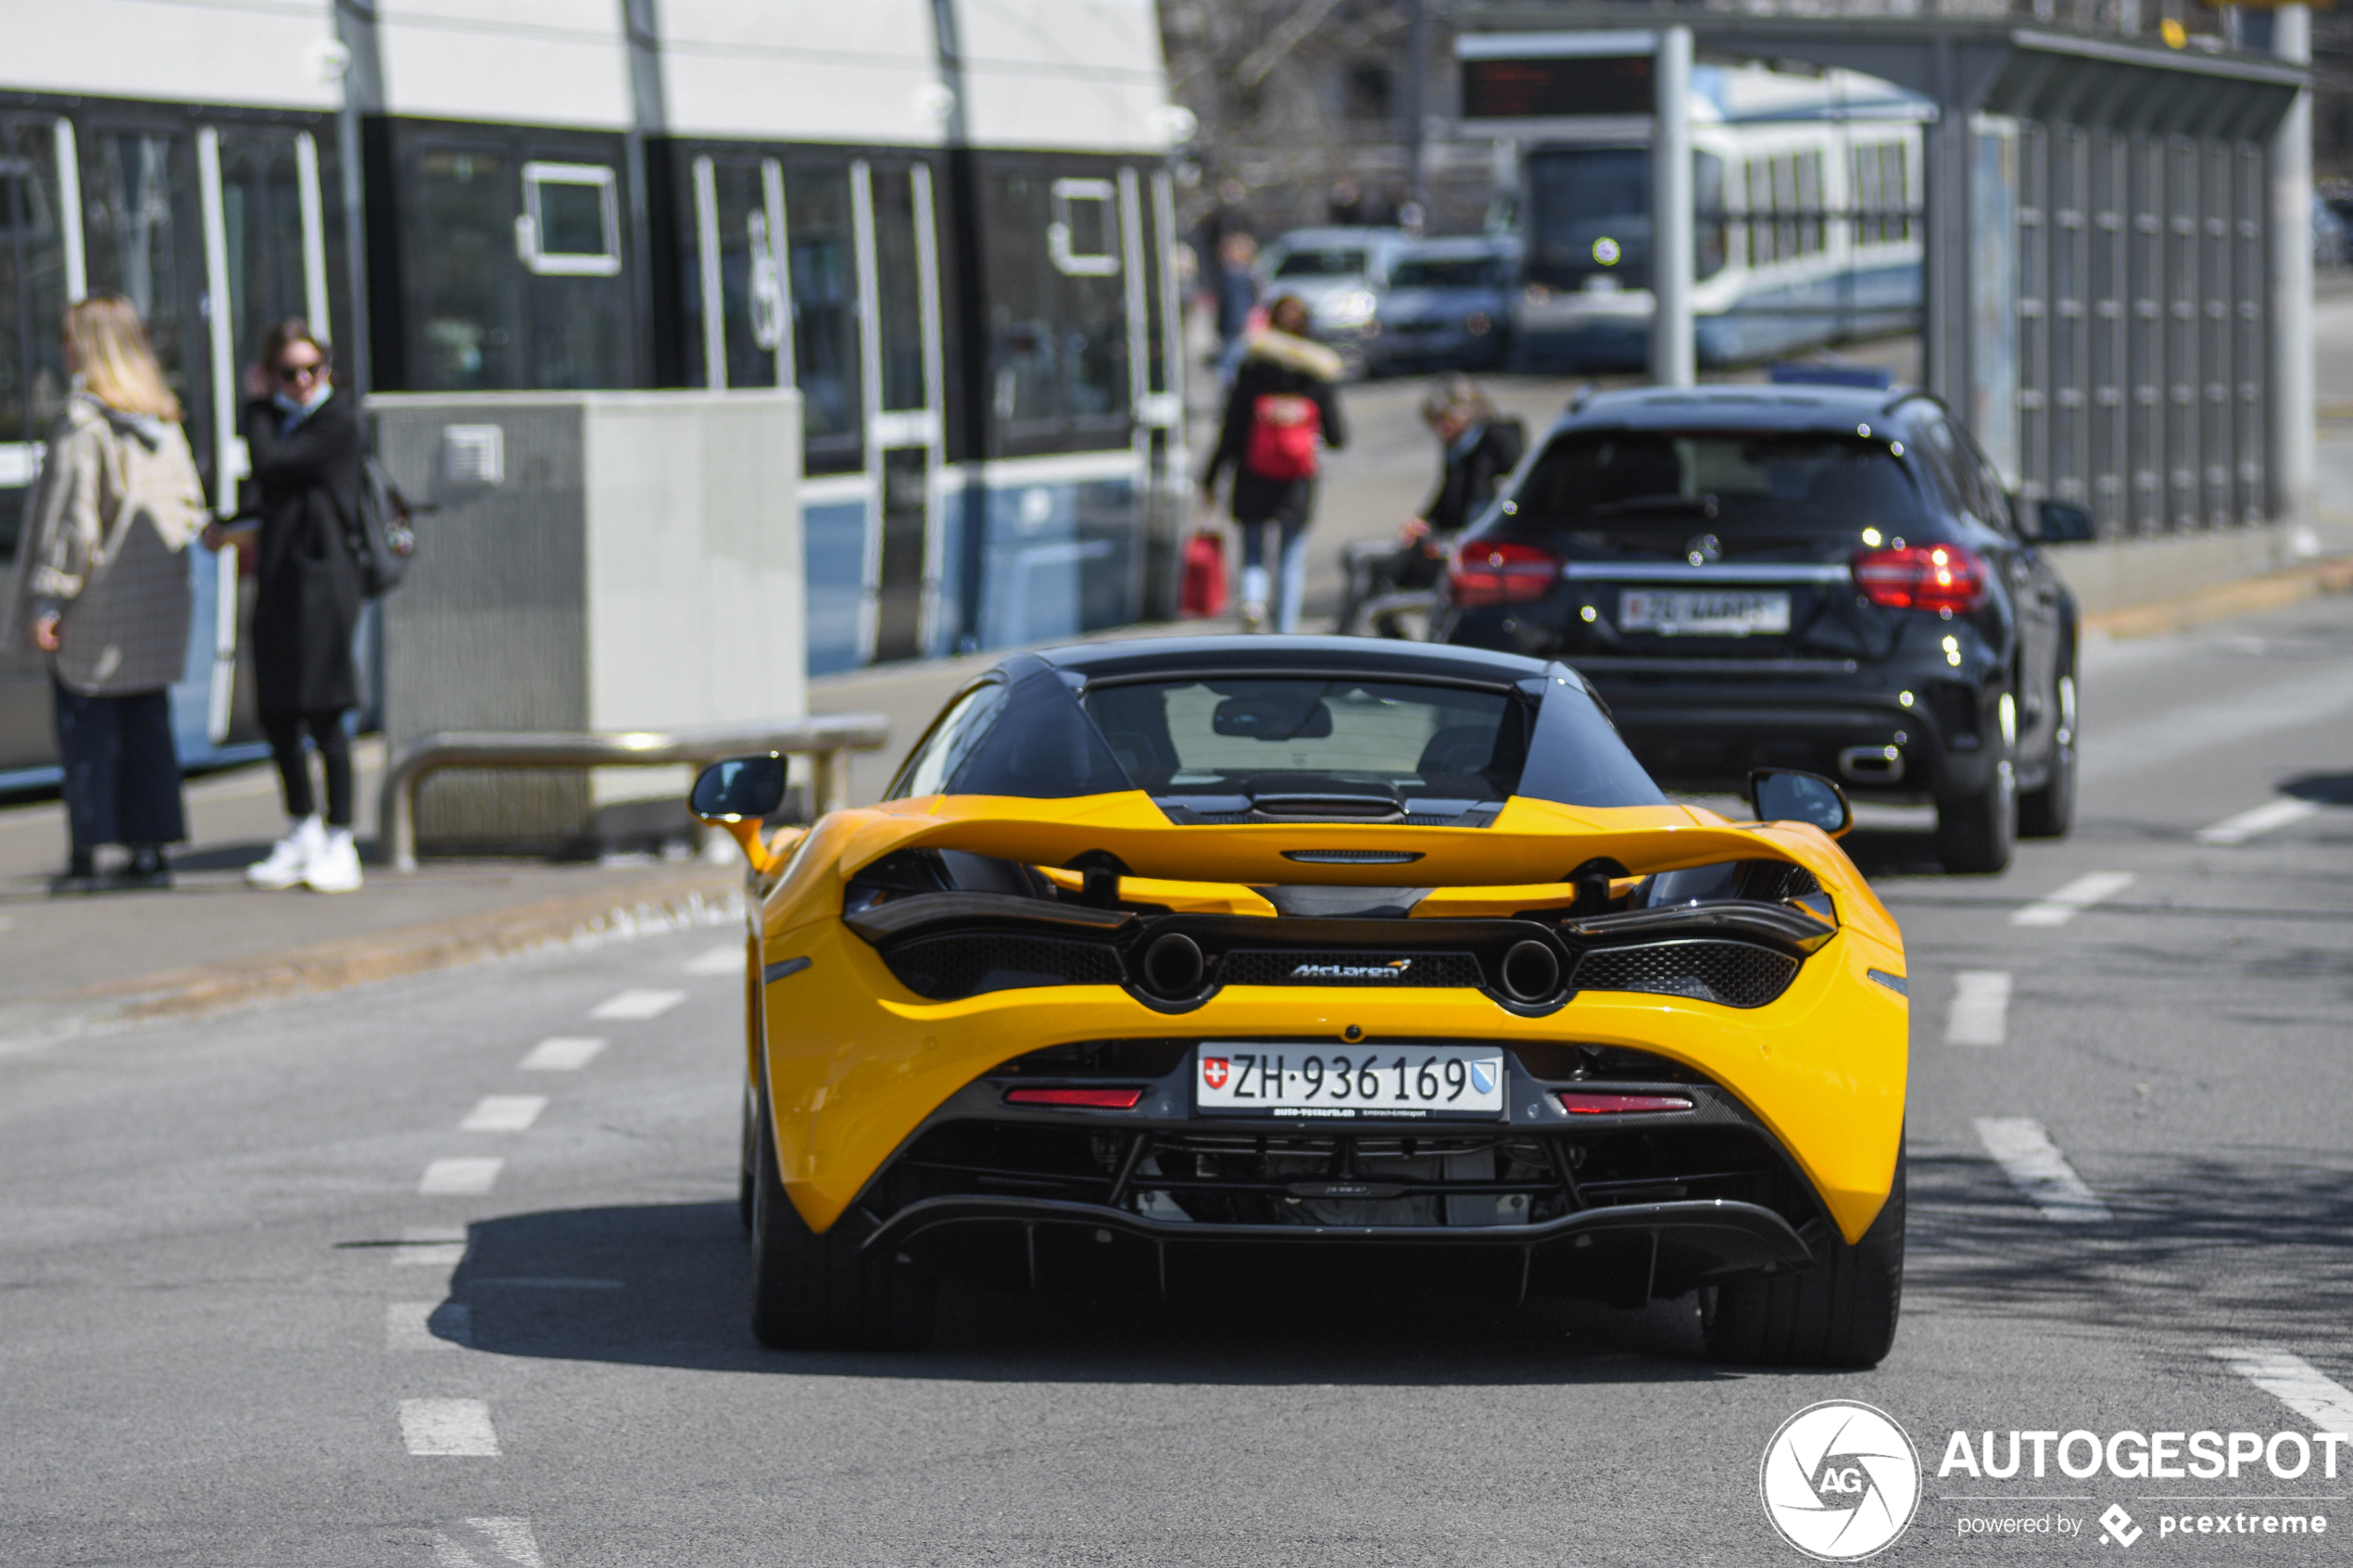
pixel 1841 1481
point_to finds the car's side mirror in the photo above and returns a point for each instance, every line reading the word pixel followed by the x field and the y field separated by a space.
pixel 737 795
pixel 2064 522
pixel 1783 794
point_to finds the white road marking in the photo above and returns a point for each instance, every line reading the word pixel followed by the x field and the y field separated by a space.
pixel 501 1543
pixel 1981 1009
pixel 408 1325
pixel 2037 1169
pixel 549 1281
pixel 448 1428
pixel 460 1178
pixel 718 960
pixel 2295 1382
pixel 2261 820
pixel 434 1248
pixel 2057 909
pixel 637 1004
pixel 504 1113
pixel 562 1054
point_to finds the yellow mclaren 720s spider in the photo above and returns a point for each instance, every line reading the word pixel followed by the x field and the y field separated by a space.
pixel 1366 964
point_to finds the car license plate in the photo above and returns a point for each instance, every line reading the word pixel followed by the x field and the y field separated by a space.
pixel 1308 1084
pixel 1685 613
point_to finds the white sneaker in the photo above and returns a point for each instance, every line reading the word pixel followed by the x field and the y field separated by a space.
pixel 290 857
pixel 336 869
pixel 1253 617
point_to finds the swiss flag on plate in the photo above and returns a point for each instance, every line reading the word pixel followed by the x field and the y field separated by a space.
pixel 1212 1072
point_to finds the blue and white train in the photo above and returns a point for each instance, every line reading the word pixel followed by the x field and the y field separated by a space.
pixel 1808 230
pixel 947 222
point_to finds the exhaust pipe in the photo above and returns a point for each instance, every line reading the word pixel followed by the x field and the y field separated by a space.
pixel 1872 764
pixel 1174 967
pixel 1531 971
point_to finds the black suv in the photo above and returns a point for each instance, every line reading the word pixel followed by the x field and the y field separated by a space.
pixel 1819 577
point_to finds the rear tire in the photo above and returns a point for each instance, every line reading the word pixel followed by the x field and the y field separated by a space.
pixel 1840 1312
pixel 747 1172
pixel 811 1292
pixel 2049 812
pixel 1974 832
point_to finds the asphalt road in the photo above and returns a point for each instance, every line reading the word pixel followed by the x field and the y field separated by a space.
pixel 230 1314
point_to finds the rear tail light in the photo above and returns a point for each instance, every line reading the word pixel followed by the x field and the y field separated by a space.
pixel 1921 577
pixel 1493 572
pixel 1590 1102
pixel 1076 1100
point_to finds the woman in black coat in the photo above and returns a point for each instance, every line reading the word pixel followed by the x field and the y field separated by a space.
pixel 304 442
pixel 1478 449
pixel 1283 379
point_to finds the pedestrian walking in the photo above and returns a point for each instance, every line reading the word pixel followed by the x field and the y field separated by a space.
pixel 1477 450
pixel 1284 410
pixel 1237 291
pixel 102 588
pixel 304 440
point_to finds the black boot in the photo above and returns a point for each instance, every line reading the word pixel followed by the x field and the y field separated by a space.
pixel 147 869
pixel 80 874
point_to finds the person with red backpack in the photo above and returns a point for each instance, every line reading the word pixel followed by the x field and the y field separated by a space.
pixel 1281 416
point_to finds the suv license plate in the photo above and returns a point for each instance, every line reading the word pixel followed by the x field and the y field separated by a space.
pixel 1308 1084
pixel 1687 614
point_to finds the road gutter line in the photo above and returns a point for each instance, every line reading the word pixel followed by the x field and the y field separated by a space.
pixel 2058 907
pixel 2036 1168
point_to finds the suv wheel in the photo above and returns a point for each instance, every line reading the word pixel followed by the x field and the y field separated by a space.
pixel 1840 1312
pixel 2049 812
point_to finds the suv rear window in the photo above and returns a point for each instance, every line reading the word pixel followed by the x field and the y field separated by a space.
pixel 1607 483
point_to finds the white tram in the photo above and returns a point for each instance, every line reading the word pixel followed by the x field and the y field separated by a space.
pixel 1806 196
pixel 948 222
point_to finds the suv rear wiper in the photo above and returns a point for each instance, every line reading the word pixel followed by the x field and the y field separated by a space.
pixel 1704 504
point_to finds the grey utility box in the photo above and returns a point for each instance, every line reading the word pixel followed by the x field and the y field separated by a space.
pixel 596 561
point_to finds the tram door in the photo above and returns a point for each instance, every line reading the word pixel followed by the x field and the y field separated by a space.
pixel 898 275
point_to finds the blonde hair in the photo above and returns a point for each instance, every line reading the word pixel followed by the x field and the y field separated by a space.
pixel 117 368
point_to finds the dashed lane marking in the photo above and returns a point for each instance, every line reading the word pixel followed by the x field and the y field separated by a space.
pixel 2057 909
pixel 504 1113
pixel 408 1325
pixel 486 1543
pixel 2037 1169
pixel 448 1428
pixel 1981 1010
pixel 637 1004
pixel 718 960
pixel 2263 819
pixel 2294 1381
pixel 435 1249
pixel 564 1053
pixel 461 1177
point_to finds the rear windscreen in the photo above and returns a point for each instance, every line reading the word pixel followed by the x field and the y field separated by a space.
pixel 1345 262
pixel 1606 482
pixel 1451 273
pixel 1252 737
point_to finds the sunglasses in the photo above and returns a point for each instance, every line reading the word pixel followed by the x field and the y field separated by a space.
pixel 289 374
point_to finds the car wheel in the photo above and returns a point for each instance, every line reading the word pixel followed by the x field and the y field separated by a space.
pixel 811 1292
pixel 1974 832
pixel 1840 1312
pixel 2049 812
pixel 747 1174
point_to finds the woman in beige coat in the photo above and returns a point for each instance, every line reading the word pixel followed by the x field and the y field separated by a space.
pixel 102 587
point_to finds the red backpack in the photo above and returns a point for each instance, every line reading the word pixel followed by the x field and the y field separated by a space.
pixel 1284 431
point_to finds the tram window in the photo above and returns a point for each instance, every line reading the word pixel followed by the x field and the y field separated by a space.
pixel 1157 283
pixel 751 278
pixel 1708 248
pixel 261 213
pixel 32 302
pixel 1082 239
pixel 825 306
pixel 571 220
pixel 140 235
pixel 1581 197
pixel 899 281
pixel 465 292
pixel 1057 341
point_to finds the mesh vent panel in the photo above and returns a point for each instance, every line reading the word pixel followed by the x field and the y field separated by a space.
pixel 1386 969
pixel 1733 973
pixel 945 968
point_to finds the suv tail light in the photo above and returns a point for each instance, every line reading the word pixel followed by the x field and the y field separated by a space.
pixel 1498 571
pixel 1921 577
